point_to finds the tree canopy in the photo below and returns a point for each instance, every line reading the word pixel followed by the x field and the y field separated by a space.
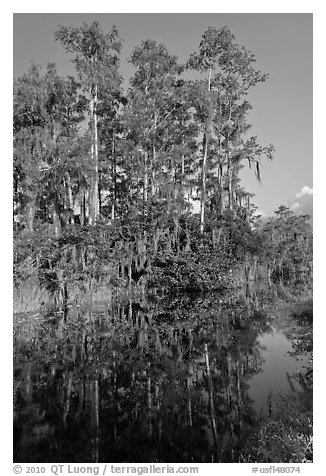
pixel 107 179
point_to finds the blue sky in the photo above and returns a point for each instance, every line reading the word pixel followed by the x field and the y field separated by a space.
pixel 282 106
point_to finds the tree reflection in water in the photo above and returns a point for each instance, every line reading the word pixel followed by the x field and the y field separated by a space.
pixel 156 380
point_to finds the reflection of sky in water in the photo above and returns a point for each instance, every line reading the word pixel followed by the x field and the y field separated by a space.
pixel 272 380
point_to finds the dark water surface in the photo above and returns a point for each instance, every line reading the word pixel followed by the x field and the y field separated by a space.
pixel 177 379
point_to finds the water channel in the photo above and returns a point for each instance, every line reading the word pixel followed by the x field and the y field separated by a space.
pixel 157 379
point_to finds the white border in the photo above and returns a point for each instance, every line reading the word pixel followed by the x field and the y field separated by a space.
pixel 60 6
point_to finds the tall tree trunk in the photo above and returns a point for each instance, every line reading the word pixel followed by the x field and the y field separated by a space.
pixel 91 194
pixel 30 213
pixel 56 221
pixel 100 193
pixel 70 198
pixel 114 178
pixel 230 185
pixel 153 159
pixel 153 172
pixel 82 205
pixel 182 183
pixel 204 165
pixel 145 180
pixel 94 200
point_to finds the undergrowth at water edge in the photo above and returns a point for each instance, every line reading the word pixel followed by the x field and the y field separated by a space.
pixel 285 438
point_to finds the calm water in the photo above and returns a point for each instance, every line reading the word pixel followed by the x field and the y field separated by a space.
pixel 278 371
pixel 178 379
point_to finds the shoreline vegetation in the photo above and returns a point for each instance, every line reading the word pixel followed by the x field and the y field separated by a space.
pixel 65 279
pixel 95 263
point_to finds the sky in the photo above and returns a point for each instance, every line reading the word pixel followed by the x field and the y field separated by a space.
pixel 282 112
